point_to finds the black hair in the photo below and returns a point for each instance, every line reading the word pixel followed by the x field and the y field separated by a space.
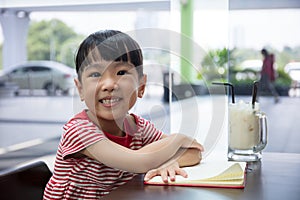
pixel 109 45
pixel 264 52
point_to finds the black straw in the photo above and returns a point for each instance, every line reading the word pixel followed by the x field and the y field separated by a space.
pixel 254 93
pixel 231 89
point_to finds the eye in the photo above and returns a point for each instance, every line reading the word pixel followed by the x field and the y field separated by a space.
pixel 122 72
pixel 95 74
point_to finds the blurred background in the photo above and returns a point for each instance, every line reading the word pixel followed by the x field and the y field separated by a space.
pixel 224 40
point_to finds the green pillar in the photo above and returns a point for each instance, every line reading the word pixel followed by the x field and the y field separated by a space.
pixel 186 40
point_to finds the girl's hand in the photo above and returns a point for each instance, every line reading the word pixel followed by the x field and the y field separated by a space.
pixel 166 171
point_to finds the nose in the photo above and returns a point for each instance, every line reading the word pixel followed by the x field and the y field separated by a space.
pixel 108 83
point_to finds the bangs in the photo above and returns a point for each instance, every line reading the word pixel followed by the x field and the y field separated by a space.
pixel 118 48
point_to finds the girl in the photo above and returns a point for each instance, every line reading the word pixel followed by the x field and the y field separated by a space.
pixel 103 146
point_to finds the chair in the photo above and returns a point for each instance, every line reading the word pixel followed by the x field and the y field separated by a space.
pixel 26 182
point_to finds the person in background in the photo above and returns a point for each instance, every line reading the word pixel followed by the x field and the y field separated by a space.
pixel 267 78
pixel 105 146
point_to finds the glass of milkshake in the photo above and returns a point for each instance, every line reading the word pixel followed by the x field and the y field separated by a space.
pixel 247 135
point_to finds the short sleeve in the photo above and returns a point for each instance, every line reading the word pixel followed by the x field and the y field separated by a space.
pixel 78 135
pixel 149 132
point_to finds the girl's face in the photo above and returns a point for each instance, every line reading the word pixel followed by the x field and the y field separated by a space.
pixel 110 89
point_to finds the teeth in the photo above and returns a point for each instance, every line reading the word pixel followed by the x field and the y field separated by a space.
pixel 110 101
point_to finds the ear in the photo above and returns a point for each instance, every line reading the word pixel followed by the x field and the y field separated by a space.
pixel 79 88
pixel 142 86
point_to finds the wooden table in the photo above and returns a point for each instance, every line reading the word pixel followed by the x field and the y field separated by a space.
pixel 276 176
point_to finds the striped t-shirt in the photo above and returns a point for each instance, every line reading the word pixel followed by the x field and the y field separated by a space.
pixel 84 177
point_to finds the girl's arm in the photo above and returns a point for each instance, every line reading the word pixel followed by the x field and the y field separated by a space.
pixel 187 156
pixel 142 160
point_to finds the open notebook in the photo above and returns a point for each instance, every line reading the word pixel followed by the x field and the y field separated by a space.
pixel 224 174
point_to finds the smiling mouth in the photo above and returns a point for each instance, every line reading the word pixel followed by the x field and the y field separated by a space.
pixel 109 101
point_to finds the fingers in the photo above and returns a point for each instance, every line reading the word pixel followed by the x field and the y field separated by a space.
pixel 164 173
pixel 172 174
pixel 167 173
pixel 201 148
pixel 150 174
pixel 164 176
pixel 181 172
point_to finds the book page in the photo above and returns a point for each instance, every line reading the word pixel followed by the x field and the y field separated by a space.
pixel 212 171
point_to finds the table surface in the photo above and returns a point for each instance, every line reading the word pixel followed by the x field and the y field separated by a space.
pixel 276 176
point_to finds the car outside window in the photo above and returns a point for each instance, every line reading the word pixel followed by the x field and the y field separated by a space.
pixel 39 69
pixel 18 71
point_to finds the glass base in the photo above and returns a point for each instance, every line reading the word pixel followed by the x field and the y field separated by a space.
pixel 244 157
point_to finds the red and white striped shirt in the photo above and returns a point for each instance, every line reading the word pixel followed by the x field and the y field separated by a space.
pixel 84 177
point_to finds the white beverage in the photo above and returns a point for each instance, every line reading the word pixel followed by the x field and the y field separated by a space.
pixel 244 133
